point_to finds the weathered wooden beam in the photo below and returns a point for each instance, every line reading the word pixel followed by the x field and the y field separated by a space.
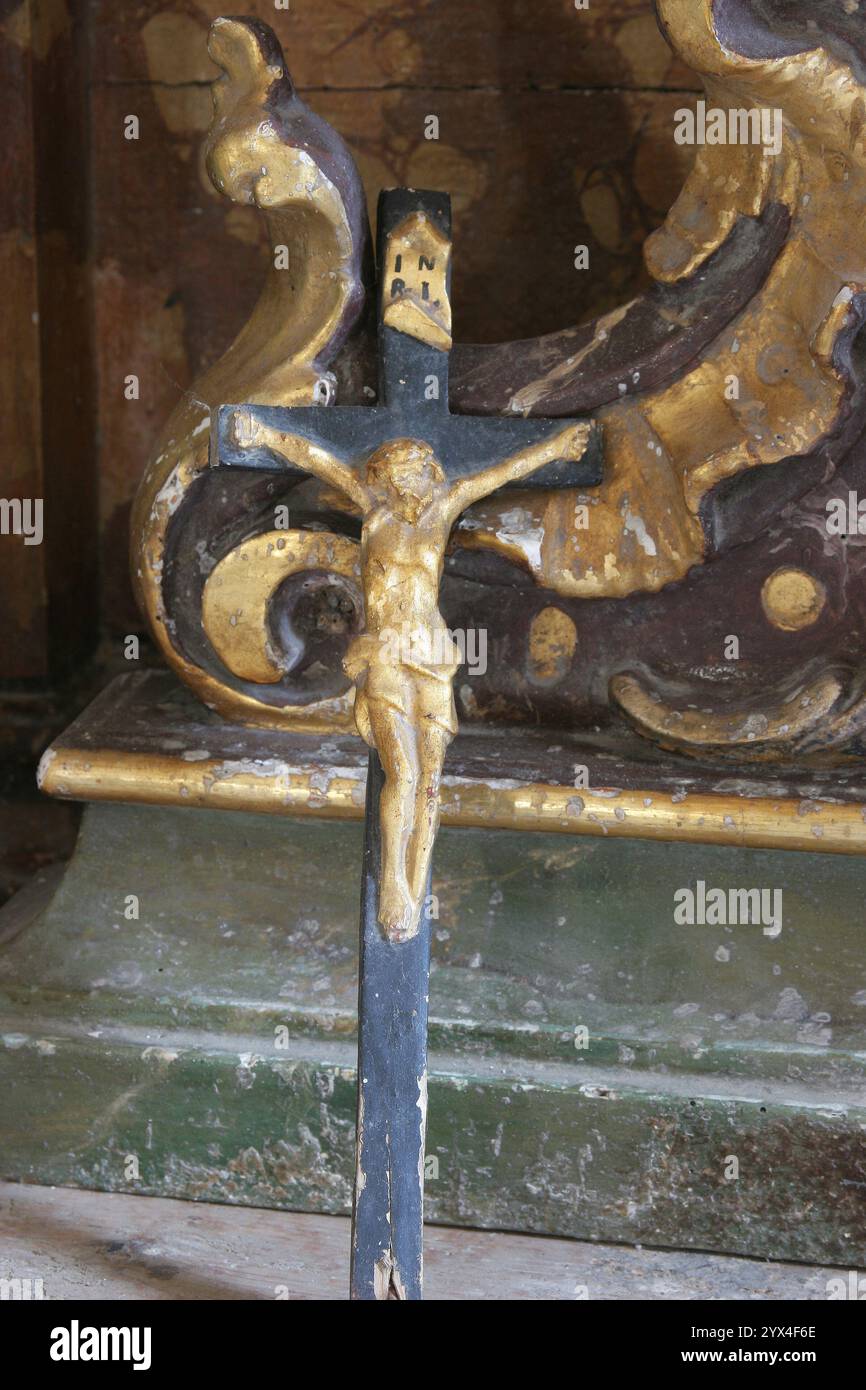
pixel 393 991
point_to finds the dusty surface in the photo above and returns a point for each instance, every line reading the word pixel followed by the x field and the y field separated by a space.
pixel 113 1246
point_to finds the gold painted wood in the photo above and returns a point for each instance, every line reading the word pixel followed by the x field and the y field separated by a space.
pixel 793 599
pixel 311 297
pixel 415 282
pixel 645 529
pixel 238 591
pixel 769 733
pixel 274 786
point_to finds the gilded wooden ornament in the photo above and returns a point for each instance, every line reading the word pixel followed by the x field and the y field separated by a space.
pixel 748 329
pixel 309 194
pixel 792 599
pixel 238 590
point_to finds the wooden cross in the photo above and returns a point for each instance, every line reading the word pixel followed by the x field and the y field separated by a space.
pixel 410 468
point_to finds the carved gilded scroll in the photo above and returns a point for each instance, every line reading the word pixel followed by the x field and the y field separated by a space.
pixel 730 401
pixel 668 448
pixel 265 148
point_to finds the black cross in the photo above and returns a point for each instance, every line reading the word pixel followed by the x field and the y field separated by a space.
pixel 394 977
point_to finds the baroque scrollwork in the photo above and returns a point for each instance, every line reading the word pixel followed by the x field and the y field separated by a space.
pixel 729 395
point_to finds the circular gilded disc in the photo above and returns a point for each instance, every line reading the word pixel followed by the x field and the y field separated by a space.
pixel 552 640
pixel 239 589
pixel 793 599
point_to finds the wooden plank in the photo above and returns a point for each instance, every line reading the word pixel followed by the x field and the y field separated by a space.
pixel 393 993
pixel 69 427
pixel 86 1245
pixel 49 588
pixel 23 581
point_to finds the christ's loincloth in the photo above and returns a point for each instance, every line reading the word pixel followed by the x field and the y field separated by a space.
pixel 407 682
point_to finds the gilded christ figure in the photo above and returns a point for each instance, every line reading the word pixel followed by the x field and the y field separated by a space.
pixel 404 705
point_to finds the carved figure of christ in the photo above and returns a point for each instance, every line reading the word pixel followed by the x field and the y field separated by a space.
pixel 403 664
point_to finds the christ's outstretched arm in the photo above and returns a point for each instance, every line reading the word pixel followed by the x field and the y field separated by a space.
pixel 568 443
pixel 249 433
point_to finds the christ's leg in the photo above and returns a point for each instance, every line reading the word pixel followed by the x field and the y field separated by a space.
pixel 434 740
pixel 396 743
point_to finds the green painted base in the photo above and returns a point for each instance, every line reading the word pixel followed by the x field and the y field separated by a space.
pixel 597 1070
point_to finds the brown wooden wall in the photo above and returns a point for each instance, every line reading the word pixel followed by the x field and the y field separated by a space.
pixel 555 130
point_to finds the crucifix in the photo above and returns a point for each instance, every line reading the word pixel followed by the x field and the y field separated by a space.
pixel 410 469
pixel 703 526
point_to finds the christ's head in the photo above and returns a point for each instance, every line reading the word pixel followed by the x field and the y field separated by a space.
pixel 407 470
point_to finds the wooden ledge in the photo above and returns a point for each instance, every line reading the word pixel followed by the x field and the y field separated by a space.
pixel 146 740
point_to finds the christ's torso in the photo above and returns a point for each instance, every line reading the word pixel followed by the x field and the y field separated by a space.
pixel 401 563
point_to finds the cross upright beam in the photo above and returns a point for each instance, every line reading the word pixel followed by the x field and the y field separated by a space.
pixel 411 468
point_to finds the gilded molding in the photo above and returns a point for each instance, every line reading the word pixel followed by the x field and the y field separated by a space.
pixel 274 787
